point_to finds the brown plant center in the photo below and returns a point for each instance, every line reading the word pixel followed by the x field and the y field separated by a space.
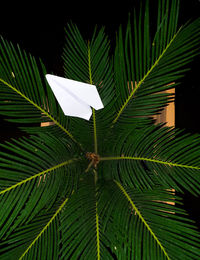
pixel 94 158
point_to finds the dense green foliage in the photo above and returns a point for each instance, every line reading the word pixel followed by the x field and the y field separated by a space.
pixel 98 189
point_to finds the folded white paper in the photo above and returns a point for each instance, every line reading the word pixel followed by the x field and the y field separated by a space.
pixel 75 98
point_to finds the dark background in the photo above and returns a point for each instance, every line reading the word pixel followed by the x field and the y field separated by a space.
pixel 39 29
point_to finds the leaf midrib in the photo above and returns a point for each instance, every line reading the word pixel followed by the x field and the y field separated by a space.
pixel 38 175
pixel 97 232
pixel 149 160
pixel 45 227
pixel 44 112
pixel 143 79
pixel 93 111
pixel 141 218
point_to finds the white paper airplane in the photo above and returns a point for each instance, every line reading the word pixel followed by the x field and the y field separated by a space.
pixel 75 98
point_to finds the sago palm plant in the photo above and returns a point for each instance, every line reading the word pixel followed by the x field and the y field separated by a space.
pixel 100 189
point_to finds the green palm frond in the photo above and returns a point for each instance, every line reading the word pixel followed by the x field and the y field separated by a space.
pixel 89 62
pixel 147 225
pixel 27 239
pixel 80 224
pixel 146 67
pixel 32 174
pixel 156 154
pixel 104 188
pixel 25 95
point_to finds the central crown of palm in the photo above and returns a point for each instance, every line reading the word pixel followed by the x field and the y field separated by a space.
pixel 100 189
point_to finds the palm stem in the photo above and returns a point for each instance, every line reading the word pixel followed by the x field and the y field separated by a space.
pixel 95 131
pixel 93 111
